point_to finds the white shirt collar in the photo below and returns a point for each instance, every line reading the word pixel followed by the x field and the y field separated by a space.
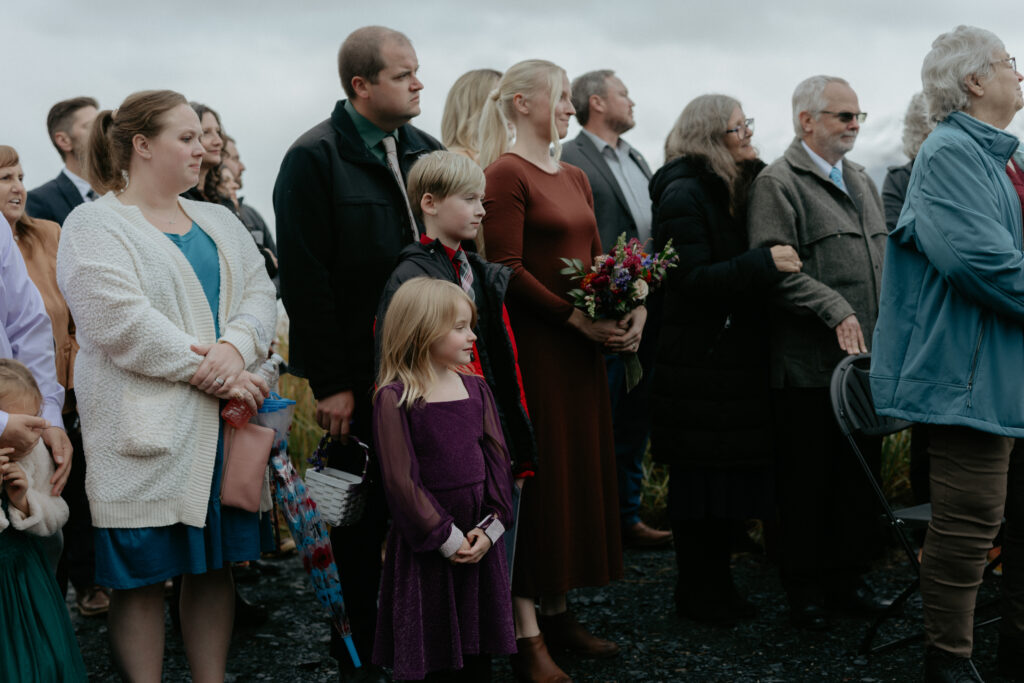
pixel 825 167
pixel 81 184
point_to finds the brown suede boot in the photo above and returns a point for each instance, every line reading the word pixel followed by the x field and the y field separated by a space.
pixel 565 633
pixel 533 663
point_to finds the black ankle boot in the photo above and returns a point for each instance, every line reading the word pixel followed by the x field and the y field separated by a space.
pixel 943 667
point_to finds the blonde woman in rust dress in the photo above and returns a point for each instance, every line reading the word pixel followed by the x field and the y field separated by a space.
pixel 539 210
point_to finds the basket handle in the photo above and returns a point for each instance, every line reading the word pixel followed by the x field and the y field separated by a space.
pixel 319 461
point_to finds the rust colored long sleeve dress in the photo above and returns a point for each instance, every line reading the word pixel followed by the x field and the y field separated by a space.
pixel 569 532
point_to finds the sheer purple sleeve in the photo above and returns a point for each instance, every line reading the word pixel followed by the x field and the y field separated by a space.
pixel 498 477
pixel 424 524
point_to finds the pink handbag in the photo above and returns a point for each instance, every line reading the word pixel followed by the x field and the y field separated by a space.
pixel 246 453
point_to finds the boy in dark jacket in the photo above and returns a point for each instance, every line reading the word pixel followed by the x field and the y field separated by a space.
pixel 446 192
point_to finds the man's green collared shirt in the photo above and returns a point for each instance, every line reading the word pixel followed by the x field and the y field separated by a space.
pixel 369 132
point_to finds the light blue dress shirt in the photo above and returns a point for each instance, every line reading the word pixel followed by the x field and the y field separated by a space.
pixel 25 331
pixel 825 167
pixel 631 180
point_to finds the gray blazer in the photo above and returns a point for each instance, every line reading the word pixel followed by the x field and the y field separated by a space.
pixel 610 208
pixel 841 241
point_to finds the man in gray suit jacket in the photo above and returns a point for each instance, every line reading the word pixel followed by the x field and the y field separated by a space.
pixel 618 177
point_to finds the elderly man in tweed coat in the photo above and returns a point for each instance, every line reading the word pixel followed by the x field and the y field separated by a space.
pixel 829 210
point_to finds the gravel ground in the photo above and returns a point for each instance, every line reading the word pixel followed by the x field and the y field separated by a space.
pixel 636 612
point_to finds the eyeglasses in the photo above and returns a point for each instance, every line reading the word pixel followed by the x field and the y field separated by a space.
pixel 744 130
pixel 1012 61
pixel 847 116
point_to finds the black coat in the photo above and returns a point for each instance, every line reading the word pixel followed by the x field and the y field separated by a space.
pixel 709 398
pixel 495 346
pixel 894 192
pixel 54 200
pixel 341 223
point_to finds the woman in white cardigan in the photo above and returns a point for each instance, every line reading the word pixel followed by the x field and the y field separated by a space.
pixel 173 307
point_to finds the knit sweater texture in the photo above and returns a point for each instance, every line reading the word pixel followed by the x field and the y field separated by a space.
pixel 150 437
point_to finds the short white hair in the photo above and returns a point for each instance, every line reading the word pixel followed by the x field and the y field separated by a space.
pixel 809 96
pixel 955 56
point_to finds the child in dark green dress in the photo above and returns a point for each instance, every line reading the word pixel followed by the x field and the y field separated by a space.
pixel 37 642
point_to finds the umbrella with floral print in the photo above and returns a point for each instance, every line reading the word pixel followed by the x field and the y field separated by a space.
pixel 306 526
pixel 313 543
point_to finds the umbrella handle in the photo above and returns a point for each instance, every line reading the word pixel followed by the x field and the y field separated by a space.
pixel 352 652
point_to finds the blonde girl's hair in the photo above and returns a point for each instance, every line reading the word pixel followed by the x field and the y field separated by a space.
pixel 421 312
pixel 17 382
pixel 525 78
pixel 443 174
pixel 460 121
pixel 110 141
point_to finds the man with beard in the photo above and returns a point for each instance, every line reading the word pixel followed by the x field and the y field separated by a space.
pixel 68 124
pixel 828 209
pixel 618 177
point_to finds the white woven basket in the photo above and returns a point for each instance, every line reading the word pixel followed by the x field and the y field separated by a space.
pixel 339 496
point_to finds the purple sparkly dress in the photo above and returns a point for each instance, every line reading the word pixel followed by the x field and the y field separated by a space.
pixel 443 464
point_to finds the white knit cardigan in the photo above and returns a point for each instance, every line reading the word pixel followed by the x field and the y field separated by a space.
pixel 46 513
pixel 150 437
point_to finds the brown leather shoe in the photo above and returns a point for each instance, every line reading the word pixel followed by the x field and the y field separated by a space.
pixel 93 602
pixel 565 633
pixel 642 536
pixel 533 663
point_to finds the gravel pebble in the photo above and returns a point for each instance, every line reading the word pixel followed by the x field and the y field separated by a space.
pixel 636 612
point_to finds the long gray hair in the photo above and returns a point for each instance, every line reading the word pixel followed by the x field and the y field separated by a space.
pixel 700 132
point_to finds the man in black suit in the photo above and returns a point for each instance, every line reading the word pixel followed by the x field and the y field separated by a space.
pixel 342 219
pixel 68 124
pixel 619 176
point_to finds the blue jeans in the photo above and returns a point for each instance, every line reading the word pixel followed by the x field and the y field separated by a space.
pixel 631 422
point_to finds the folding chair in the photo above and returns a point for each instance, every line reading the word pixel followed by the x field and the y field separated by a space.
pixel 854 409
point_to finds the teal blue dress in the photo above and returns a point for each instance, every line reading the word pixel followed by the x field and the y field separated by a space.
pixel 131 558
pixel 37 642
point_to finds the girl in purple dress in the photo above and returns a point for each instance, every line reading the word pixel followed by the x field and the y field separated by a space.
pixel 445 602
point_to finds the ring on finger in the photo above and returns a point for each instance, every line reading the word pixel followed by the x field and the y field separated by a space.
pixel 219 381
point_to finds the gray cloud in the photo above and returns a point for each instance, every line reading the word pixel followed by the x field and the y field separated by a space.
pixel 269 67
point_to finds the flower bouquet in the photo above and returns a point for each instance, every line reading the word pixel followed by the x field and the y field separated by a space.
pixel 617 283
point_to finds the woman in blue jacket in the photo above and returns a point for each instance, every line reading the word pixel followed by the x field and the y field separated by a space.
pixel 949 343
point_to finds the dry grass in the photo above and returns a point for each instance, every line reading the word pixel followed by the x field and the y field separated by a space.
pixel 305 433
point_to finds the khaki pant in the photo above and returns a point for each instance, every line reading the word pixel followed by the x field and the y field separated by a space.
pixel 969 482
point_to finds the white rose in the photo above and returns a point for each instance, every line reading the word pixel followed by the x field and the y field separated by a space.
pixel 640 290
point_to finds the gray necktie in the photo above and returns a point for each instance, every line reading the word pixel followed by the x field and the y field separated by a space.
pixel 391 152
pixel 465 274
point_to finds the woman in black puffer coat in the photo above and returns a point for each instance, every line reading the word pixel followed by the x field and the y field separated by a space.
pixel 711 418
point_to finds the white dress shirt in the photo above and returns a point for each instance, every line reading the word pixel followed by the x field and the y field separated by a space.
pixel 825 167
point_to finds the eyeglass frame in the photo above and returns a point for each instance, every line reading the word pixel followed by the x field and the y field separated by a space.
pixel 1012 61
pixel 748 124
pixel 847 116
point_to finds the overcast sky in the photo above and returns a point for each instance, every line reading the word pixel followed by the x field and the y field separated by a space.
pixel 269 67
